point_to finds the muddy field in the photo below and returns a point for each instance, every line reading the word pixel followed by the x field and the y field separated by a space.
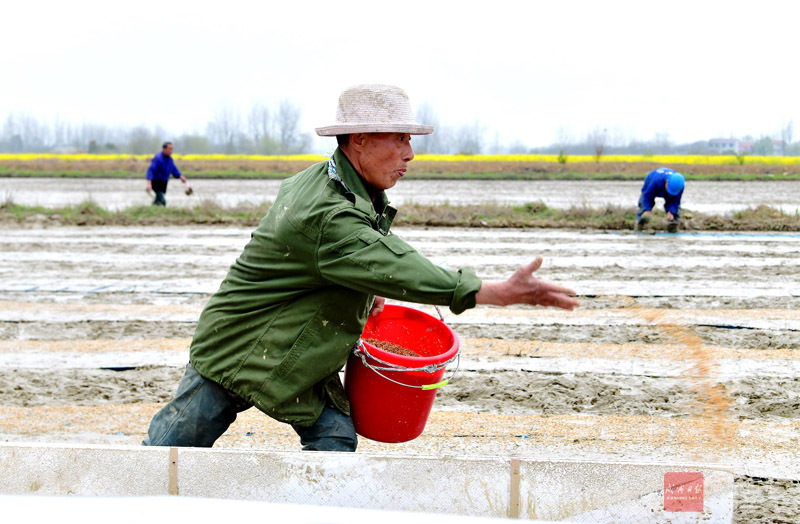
pixel 95 325
pixel 115 194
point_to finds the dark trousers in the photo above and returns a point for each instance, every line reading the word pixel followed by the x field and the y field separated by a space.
pixel 675 221
pixel 160 199
pixel 202 411
pixel 160 189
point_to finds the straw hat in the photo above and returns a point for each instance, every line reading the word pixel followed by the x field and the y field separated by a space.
pixel 374 108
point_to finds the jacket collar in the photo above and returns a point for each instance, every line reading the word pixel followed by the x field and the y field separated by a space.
pixel 355 185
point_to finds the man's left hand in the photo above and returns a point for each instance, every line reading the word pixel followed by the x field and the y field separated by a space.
pixel 670 216
pixel 524 288
pixel 377 307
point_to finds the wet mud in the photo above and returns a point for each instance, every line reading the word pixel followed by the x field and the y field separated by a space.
pixel 118 330
pixel 700 195
pixel 496 391
pixel 128 284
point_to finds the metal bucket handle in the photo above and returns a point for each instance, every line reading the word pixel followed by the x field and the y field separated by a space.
pixel 360 351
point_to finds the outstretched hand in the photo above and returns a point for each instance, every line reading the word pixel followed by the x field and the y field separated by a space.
pixel 524 288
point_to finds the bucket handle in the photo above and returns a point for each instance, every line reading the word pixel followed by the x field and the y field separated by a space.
pixel 361 351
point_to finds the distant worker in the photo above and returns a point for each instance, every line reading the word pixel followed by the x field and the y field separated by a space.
pixel 161 167
pixel 663 183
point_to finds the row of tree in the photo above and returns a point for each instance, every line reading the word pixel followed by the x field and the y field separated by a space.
pixel 276 130
pixel 600 142
pixel 263 130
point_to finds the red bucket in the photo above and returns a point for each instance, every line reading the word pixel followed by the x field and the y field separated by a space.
pixel 392 405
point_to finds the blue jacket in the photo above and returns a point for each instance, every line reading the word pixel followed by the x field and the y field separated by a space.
pixel 654 187
pixel 161 167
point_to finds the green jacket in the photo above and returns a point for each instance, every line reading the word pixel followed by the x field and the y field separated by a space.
pixel 284 320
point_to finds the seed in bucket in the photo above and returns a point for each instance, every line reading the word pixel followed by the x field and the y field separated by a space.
pixel 391 348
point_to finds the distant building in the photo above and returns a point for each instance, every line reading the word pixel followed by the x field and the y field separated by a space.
pixel 723 145
pixel 68 150
pixel 741 147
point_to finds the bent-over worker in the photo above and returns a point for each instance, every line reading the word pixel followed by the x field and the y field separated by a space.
pixel 663 183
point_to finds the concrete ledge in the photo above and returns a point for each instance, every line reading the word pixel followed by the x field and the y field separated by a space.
pixel 478 487
pixel 579 491
pixel 61 469
pixel 125 510
pixel 618 492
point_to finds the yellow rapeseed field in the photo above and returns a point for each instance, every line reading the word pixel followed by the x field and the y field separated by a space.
pixel 658 159
pixel 76 157
pixel 653 159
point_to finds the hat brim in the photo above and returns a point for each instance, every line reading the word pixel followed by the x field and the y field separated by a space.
pixel 347 129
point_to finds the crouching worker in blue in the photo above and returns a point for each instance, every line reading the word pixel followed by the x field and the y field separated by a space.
pixel 286 317
pixel 161 167
pixel 663 183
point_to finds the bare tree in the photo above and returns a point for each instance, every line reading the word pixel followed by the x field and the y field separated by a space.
pixel 225 128
pixel 496 147
pixel 261 127
pixel 193 143
pixel 286 123
pixel 94 134
pixel 518 148
pixel 141 141
pixel 435 142
pixel 34 135
pixel 564 138
pixel 616 138
pixel 598 139
pixel 661 142
pixel 259 122
pixel 787 134
pixel 23 132
pixel 469 139
pixel 10 140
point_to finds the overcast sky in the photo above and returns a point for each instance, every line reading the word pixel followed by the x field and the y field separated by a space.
pixel 530 71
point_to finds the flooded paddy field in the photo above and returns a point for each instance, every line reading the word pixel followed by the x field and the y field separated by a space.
pixel 95 325
pixel 115 194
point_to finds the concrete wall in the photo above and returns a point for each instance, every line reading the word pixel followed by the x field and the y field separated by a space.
pixel 136 510
pixel 485 487
pixel 616 492
pixel 55 469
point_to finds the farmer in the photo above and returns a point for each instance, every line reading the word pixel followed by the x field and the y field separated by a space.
pixel 293 305
pixel 664 183
pixel 161 167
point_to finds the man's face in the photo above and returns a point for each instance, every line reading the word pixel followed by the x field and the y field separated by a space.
pixel 385 157
pixel 167 150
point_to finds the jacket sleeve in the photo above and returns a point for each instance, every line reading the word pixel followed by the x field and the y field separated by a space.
pixel 354 255
pixel 673 203
pixel 151 169
pixel 175 172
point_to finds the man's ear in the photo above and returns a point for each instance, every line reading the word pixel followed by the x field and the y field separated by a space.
pixel 357 141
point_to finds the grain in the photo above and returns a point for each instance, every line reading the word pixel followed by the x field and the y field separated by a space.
pixel 391 348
